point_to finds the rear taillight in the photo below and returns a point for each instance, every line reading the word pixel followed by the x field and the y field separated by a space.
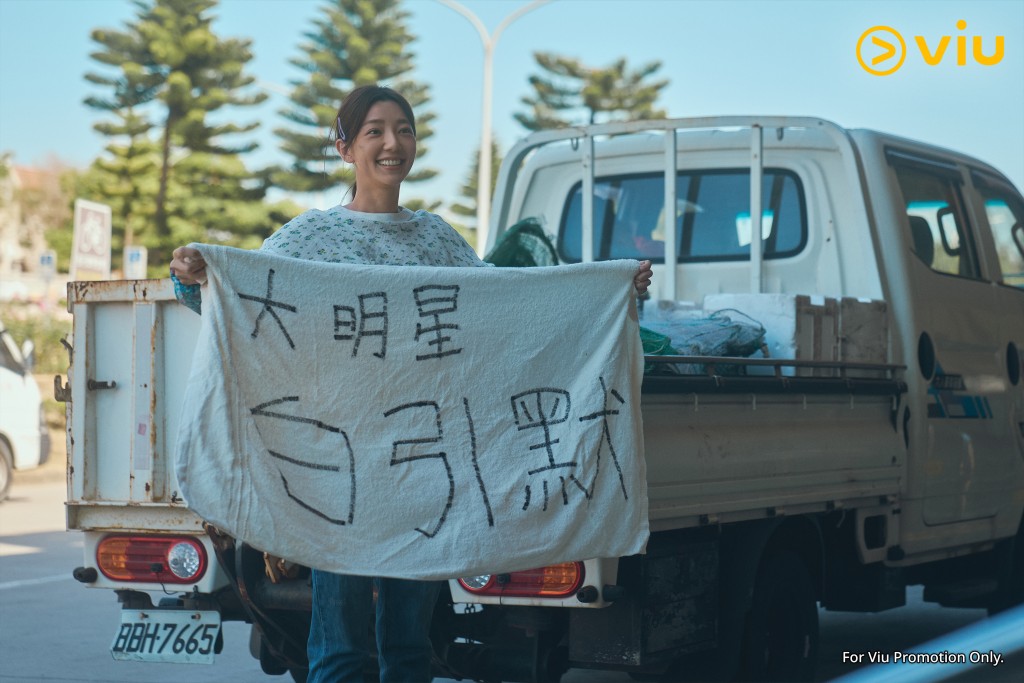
pixel 554 581
pixel 153 559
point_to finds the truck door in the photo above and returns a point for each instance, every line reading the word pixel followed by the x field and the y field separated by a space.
pixel 967 402
pixel 1002 218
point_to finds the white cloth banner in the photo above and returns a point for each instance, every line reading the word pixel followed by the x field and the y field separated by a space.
pixel 417 422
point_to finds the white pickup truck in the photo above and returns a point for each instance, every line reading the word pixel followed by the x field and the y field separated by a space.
pixel 879 442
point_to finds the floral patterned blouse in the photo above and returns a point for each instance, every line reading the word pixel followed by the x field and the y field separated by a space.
pixel 340 235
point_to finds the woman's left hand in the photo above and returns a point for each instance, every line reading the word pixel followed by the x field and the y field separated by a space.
pixel 189 266
pixel 642 279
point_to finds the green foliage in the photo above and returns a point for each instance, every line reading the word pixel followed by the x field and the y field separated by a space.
pixel 60 240
pixel 45 331
pixel 572 93
pixel 170 173
pixel 417 204
pixel 167 87
pixel 51 358
pixel 352 43
pixel 126 179
pixel 468 190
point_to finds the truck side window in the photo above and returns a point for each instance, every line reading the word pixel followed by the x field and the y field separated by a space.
pixel 1005 215
pixel 939 236
pixel 712 220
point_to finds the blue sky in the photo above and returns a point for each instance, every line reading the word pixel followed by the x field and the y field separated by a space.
pixel 722 57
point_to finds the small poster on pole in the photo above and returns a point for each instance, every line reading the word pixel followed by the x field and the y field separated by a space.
pixel 48 265
pixel 90 255
pixel 48 271
pixel 136 259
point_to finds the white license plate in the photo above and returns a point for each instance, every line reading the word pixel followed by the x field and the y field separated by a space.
pixel 181 636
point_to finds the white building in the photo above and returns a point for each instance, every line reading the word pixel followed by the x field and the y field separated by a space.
pixel 31 202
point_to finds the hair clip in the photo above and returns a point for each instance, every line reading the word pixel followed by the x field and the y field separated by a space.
pixel 341 133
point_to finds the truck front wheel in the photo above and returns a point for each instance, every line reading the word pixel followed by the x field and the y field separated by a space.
pixel 1011 582
pixel 781 635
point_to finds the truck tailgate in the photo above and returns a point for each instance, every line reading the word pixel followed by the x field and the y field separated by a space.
pixel 132 353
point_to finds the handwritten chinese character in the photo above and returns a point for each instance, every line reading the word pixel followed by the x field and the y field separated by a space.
pixel 414 455
pixel 433 301
pixel 268 307
pixel 606 436
pixel 543 408
pixel 343 447
pixel 372 322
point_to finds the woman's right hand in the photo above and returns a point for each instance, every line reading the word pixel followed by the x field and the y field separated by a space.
pixel 189 266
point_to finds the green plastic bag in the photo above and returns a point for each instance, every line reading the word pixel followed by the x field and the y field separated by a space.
pixel 523 245
pixel 656 344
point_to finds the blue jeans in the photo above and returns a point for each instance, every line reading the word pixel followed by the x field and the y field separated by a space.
pixel 339 637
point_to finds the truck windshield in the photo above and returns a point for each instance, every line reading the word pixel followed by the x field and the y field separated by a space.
pixel 712 220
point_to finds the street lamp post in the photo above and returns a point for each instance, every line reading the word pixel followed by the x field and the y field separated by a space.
pixel 483 189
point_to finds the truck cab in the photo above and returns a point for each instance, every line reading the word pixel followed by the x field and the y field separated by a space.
pixel 936 235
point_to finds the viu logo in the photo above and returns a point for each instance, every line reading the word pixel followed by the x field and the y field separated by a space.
pixel 881 50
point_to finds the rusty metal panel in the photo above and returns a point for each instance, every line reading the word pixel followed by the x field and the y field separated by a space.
pixel 109 402
pixel 75 392
pixel 132 349
pixel 176 332
pixel 101 291
pixel 143 393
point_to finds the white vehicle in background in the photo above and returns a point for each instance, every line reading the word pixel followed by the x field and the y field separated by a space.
pixel 23 439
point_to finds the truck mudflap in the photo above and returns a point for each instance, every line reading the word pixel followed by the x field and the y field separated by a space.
pixel 667 601
pixel 279 612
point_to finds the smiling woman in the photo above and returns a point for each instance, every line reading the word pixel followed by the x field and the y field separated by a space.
pixel 376 133
pixel 380 143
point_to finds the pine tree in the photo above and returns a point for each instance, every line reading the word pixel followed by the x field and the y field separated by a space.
pixel 353 43
pixel 201 74
pixel 172 175
pixel 468 190
pixel 574 94
pixel 126 176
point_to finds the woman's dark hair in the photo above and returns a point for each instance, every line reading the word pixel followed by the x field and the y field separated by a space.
pixel 355 106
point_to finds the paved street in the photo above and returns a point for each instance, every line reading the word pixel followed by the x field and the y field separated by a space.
pixel 53 629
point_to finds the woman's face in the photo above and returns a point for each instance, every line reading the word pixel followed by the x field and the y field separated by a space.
pixel 383 148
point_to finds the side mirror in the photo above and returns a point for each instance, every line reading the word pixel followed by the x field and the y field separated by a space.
pixel 28 355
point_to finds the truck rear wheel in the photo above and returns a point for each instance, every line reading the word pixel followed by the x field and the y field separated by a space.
pixel 781 636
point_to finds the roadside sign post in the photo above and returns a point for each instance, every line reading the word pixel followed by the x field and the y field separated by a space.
pixel 48 271
pixel 90 255
pixel 136 259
